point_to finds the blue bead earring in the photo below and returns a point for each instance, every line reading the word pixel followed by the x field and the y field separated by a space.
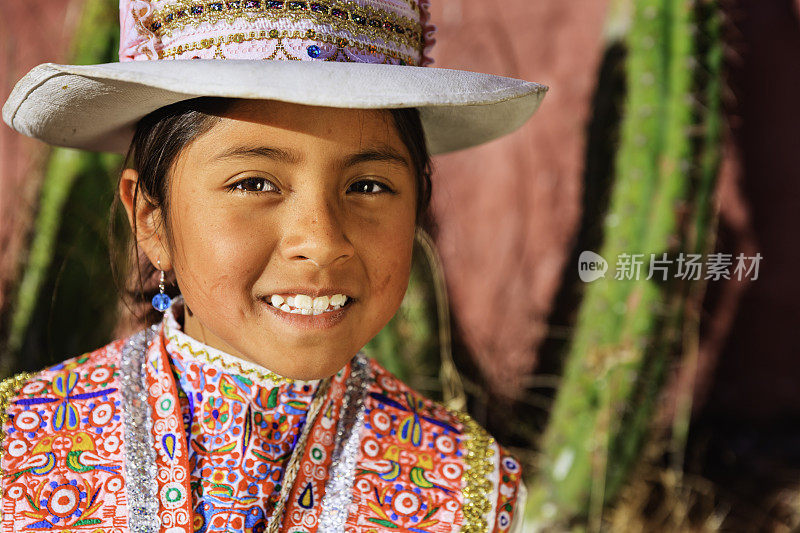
pixel 161 301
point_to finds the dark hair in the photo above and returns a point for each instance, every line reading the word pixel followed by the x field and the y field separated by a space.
pixel 161 136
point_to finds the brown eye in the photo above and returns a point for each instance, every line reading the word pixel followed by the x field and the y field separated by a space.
pixel 253 185
pixel 368 187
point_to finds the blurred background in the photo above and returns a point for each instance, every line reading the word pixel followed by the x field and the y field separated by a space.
pixel 671 126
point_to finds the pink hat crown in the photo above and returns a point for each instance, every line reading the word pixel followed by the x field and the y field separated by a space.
pixel 394 32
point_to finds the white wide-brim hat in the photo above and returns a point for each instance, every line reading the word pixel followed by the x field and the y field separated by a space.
pixel 169 51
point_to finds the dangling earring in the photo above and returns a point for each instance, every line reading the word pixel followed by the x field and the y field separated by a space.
pixel 161 301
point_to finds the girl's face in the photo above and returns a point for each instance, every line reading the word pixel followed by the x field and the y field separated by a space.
pixel 282 200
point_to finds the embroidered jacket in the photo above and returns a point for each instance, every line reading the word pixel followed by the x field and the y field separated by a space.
pixel 158 432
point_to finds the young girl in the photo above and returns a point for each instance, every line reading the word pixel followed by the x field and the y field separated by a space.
pixel 281 199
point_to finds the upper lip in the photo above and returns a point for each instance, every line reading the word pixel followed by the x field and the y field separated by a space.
pixel 313 292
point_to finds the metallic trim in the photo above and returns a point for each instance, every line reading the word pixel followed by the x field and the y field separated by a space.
pixel 140 454
pixel 339 489
pixel 478 486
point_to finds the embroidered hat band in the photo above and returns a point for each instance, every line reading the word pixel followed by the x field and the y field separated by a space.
pixel 370 31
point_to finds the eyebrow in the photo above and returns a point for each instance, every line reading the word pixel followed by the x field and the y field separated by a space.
pixel 278 154
pixel 380 153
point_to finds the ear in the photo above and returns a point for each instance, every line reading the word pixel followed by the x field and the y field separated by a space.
pixel 149 225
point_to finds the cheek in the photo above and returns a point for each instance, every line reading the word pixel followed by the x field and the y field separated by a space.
pixel 387 258
pixel 219 254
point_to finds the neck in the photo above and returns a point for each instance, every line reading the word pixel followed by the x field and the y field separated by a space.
pixel 195 329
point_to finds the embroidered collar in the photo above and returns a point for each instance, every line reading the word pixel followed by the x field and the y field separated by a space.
pixel 184 346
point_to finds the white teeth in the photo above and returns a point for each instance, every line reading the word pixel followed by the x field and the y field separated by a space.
pixel 303 302
pixel 321 303
pixel 305 305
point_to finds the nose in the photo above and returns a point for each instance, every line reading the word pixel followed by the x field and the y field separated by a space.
pixel 315 232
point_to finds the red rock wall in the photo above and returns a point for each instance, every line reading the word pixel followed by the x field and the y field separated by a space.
pixel 507 211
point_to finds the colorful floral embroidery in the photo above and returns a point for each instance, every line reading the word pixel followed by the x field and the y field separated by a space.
pixel 510 478
pixel 303 509
pixel 410 470
pixel 62 460
pixel 241 432
pixel 9 388
pixel 170 441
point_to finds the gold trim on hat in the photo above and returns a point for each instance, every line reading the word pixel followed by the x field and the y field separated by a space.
pixel 387 54
pixel 374 24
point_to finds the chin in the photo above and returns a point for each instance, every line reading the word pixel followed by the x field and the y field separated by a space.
pixel 310 366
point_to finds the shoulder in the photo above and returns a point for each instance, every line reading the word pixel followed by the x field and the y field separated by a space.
pixel 94 366
pixel 47 413
pixel 87 370
pixel 59 388
pixel 440 459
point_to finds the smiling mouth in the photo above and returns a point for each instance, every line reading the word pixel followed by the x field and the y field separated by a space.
pixel 302 304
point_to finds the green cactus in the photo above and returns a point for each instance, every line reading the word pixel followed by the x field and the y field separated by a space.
pixel 628 330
